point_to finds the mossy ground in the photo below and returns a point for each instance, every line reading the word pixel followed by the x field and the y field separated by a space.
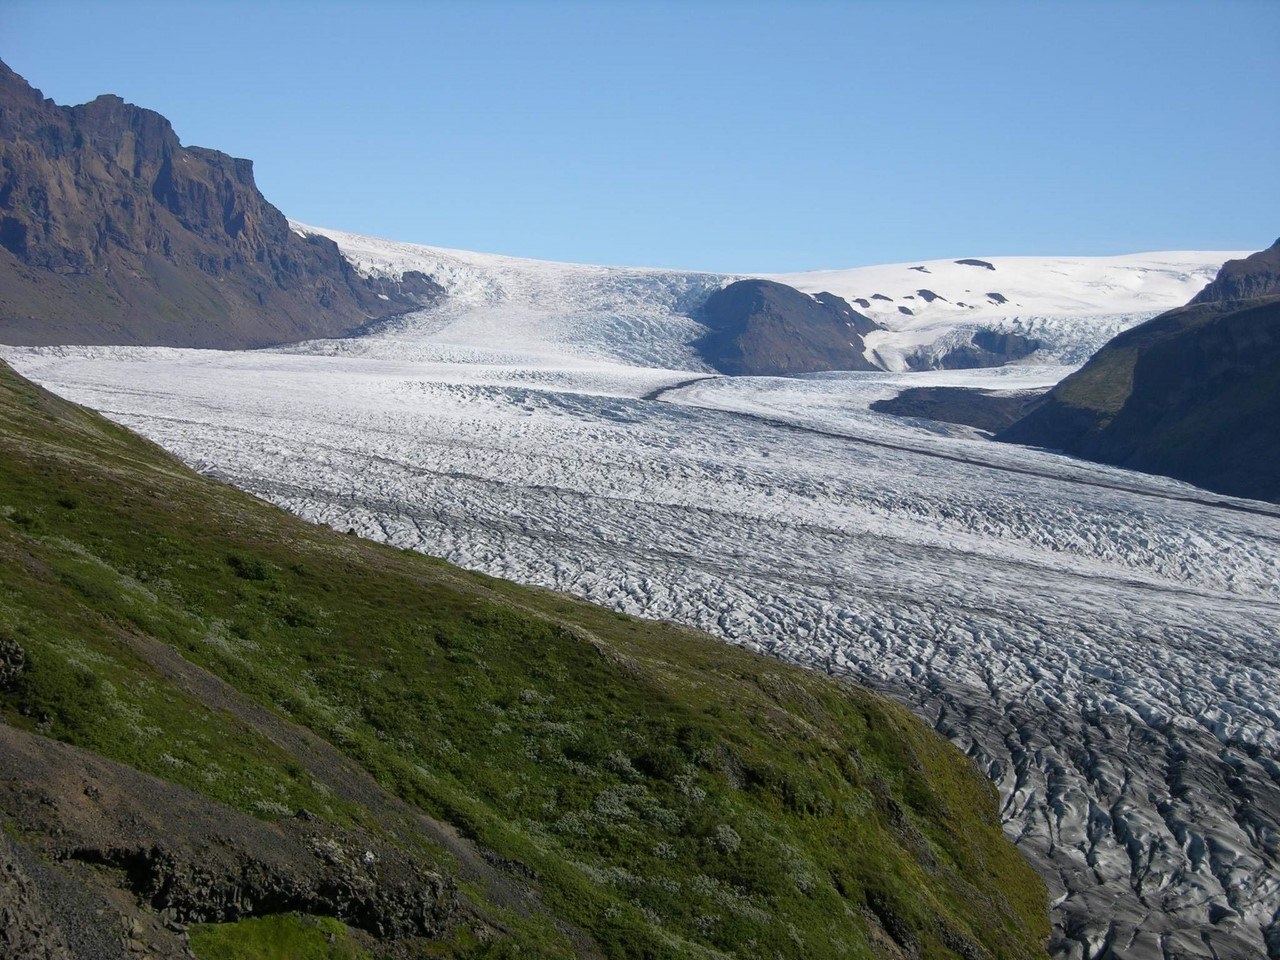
pixel 278 937
pixel 668 794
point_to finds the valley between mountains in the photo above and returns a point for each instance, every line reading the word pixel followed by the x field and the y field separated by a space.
pixel 1104 644
pixel 225 728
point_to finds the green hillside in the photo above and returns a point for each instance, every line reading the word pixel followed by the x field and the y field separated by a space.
pixel 267 727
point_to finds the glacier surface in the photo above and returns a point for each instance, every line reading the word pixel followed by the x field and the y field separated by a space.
pixel 645 316
pixel 1104 644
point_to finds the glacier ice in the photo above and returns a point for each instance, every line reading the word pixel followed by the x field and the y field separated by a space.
pixel 1104 644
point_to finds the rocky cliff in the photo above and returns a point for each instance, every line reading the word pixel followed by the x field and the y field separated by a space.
pixel 111 231
pixel 1192 394
pixel 1245 279
pixel 764 328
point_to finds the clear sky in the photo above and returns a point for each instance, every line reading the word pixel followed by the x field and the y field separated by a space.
pixel 713 135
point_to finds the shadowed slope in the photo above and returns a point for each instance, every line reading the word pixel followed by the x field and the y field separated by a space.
pixel 764 328
pixel 1193 394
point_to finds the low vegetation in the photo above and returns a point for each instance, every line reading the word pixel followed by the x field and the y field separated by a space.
pixel 277 937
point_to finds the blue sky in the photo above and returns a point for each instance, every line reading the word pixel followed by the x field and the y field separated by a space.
pixel 713 135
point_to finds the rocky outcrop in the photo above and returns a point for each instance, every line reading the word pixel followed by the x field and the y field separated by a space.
pixel 111 231
pixel 1193 394
pixel 1254 276
pixel 13 660
pixel 764 328
pixel 29 928
pixel 984 348
pixel 989 410
pixel 194 860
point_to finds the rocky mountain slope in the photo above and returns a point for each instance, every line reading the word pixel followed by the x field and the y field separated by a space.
pixel 1192 394
pixel 111 231
pixel 1257 275
pixel 765 328
pixel 221 723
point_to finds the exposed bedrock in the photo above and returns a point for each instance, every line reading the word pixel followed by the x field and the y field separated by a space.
pixel 1257 275
pixel 201 861
pixel 983 348
pixel 985 409
pixel 764 328
pixel 113 231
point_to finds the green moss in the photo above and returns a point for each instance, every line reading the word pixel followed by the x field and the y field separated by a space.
pixel 1104 385
pixel 279 937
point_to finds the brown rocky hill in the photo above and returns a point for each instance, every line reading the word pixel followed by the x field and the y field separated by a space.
pixel 764 328
pixel 111 231
pixel 1257 275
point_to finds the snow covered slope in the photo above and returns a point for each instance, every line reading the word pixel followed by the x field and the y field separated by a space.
pixel 991 288
pixel 1072 305
pixel 535 307
pixel 646 316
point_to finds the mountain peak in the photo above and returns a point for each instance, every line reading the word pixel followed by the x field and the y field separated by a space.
pixel 111 231
pixel 1257 275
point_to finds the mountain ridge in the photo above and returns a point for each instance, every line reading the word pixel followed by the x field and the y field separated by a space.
pixel 112 231
pixel 1193 393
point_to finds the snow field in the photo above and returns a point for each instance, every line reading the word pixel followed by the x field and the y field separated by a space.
pixel 645 316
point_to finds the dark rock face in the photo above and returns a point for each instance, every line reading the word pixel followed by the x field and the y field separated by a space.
pixel 1193 394
pixel 971 262
pixel 111 231
pixel 198 861
pixel 30 927
pixel 1254 276
pixel 985 409
pixel 986 348
pixel 13 661
pixel 1009 346
pixel 763 328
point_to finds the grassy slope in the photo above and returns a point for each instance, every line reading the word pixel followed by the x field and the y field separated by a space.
pixel 668 794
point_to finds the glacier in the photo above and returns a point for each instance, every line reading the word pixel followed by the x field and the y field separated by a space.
pixel 1104 644
pixel 642 316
